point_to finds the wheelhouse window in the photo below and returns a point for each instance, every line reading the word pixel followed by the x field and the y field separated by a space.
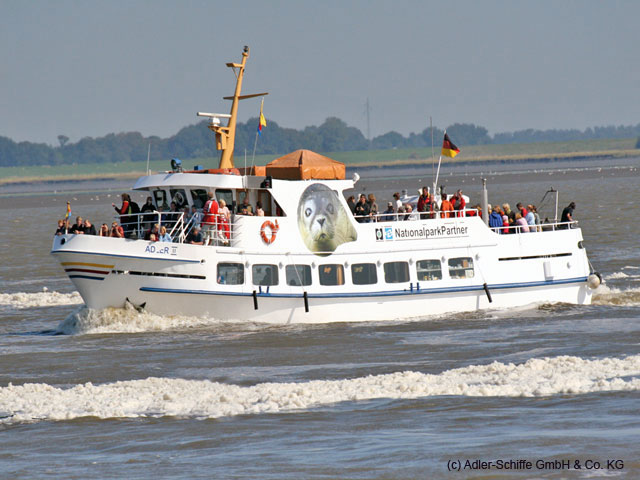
pixel 298 275
pixel 331 274
pixel 428 270
pixel 160 197
pixel 230 273
pixel 461 267
pixel 364 273
pixel 178 196
pixel 199 197
pixel 396 272
pixel 264 275
pixel 227 196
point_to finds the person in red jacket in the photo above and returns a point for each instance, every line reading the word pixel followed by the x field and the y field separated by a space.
pixel 124 213
pixel 446 208
pixel 425 204
pixel 210 218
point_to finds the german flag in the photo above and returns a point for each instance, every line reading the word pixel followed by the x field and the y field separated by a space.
pixel 448 148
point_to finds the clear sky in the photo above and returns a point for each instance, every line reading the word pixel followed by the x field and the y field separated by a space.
pixel 88 68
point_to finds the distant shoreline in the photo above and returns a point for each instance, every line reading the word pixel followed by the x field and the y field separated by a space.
pixel 356 166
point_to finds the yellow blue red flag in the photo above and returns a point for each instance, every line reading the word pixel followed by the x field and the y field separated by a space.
pixel 262 122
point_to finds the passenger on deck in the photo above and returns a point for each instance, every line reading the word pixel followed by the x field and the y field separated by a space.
pixel 123 211
pixel 164 236
pixel 509 213
pixel 210 216
pixel 567 216
pixel 62 227
pixel 259 210
pixel 89 229
pixel 425 204
pixel 196 216
pixel 148 208
pixel 495 220
pixel 373 207
pixel 224 217
pixel 521 224
pixel 244 208
pixel 154 231
pixel 459 204
pixel 77 227
pixel 411 214
pixel 116 230
pixel 362 210
pixel 351 202
pixel 446 209
pixel 388 214
pixel 536 217
pixel 195 237
pixel 104 230
pixel 398 202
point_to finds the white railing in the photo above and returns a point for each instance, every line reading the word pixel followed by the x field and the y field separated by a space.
pixel 415 215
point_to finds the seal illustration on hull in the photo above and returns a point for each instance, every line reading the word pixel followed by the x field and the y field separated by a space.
pixel 323 221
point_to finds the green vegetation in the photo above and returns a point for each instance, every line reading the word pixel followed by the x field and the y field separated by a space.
pixel 406 156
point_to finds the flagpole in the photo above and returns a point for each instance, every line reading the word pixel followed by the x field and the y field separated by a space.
pixel 437 175
pixel 255 144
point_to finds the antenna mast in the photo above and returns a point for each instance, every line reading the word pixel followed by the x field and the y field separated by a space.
pixel 226 136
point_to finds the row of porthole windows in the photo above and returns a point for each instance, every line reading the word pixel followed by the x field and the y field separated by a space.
pixel 334 273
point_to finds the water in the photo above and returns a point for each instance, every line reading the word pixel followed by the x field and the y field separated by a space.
pixel 124 394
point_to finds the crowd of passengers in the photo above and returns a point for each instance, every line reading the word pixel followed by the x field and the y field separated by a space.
pixel 210 223
pixel 502 218
pixel 365 210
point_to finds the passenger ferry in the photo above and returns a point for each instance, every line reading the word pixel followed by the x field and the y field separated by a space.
pixel 308 260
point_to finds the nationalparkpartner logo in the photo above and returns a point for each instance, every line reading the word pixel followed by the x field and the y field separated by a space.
pixel 421 232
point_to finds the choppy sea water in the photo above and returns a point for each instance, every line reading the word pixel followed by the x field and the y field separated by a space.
pixel 123 394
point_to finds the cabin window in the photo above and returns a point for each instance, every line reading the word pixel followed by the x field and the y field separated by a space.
pixel 230 273
pixel 264 197
pixel 264 275
pixel 199 197
pixel 332 274
pixel 364 273
pixel 298 275
pixel 227 196
pixel 396 272
pixel 160 197
pixel 179 197
pixel 461 267
pixel 428 270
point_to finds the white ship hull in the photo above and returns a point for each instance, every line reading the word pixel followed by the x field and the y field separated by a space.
pixel 181 279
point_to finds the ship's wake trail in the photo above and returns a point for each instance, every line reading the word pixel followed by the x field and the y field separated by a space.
pixel 160 397
pixel 125 320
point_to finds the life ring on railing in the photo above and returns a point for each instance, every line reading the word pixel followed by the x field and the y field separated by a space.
pixel 269 238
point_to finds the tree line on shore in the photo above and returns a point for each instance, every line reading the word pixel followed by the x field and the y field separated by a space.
pixel 334 135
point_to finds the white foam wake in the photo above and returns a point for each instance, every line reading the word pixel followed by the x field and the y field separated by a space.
pixel 125 320
pixel 605 295
pixel 39 299
pixel 157 397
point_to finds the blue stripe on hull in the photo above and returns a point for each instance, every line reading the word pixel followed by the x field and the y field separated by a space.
pixel 87 277
pixel 392 293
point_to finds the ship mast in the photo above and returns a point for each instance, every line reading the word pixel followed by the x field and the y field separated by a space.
pixel 226 136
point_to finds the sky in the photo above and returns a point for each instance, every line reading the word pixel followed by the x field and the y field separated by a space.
pixel 89 68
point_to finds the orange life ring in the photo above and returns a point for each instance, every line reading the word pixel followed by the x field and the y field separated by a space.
pixel 273 229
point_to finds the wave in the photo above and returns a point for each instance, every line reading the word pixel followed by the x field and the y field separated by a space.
pixel 160 397
pixel 39 299
pixel 605 295
pixel 126 320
